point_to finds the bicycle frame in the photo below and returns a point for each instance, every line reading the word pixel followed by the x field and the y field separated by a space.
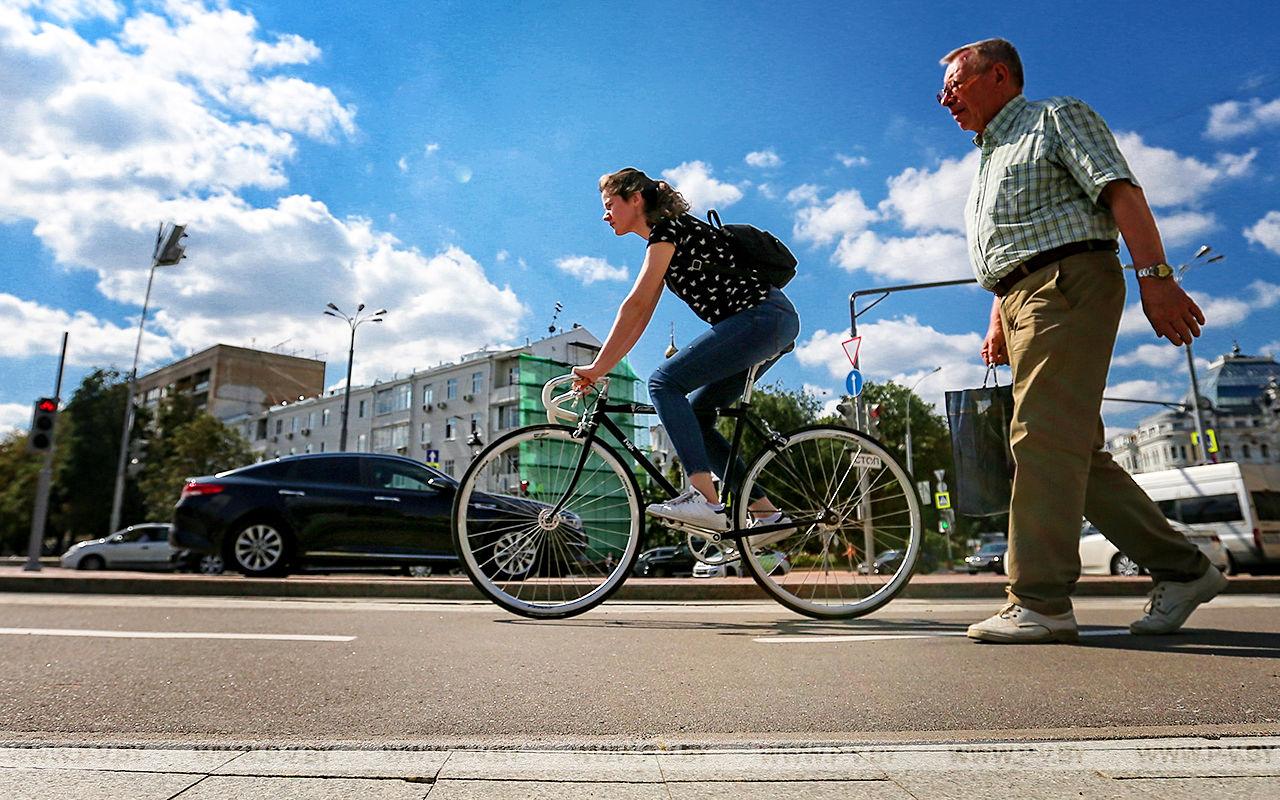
pixel 597 416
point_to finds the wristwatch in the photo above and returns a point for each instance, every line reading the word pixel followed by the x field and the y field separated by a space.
pixel 1161 270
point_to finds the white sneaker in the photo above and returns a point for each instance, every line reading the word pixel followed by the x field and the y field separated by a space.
pixel 691 508
pixel 1172 602
pixel 1016 624
pixel 763 539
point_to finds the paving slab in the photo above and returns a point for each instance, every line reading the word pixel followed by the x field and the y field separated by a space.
pixel 790 790
pixel 509 765
pixel 1024 785
pixel 118 759
pixel 1202 788
pixel 766 766
pixel 543 790
pixel 422 764
pixel 220 787
pixel 84 784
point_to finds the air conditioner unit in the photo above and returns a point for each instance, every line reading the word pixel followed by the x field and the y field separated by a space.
pixel 289 435
pixel 468 398
pixel 443 404
pixel 275 438
pixel 306 431
pixel 427 406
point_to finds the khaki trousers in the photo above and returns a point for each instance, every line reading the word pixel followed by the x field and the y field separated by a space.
pixel 1060 327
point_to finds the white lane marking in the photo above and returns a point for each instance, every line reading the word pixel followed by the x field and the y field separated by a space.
pixel 884 637
pixel 271 637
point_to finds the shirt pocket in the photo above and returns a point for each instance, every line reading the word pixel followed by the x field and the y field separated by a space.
pixel 1024 188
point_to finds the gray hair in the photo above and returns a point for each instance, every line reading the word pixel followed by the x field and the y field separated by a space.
pixel 991 51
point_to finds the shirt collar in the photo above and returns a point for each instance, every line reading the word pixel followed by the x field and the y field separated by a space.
pixel 1001 122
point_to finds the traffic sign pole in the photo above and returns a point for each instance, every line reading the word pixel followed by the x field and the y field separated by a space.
pixel 40 513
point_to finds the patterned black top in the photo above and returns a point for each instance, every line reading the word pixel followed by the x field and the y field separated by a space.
pixel 702 271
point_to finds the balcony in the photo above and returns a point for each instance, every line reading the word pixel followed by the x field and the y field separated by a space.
pixel 502 395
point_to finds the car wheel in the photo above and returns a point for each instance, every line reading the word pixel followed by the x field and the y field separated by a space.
pixel 1123 565
pixel 260 549
pixel 92 563
pixel 973 572
pixel 513 556
pixel 210 565
pixel 998 568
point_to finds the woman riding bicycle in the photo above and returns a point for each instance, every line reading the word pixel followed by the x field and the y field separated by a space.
pixel 751 322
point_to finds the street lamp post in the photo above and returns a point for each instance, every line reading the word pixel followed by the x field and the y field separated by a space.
pixel 169 250
pixel 910 392
pixel 354 321
pixel 1201 257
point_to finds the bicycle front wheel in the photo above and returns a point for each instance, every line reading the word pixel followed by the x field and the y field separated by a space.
pixel 862 532
pixel 540 535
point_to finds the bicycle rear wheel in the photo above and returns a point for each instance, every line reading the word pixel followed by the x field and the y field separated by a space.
pixel 522 553
pixel 865 535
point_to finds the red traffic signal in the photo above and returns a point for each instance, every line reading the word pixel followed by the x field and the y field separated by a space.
pixel 46 404
pixel 40 438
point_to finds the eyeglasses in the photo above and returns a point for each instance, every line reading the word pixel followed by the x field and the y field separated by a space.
pixel 950 89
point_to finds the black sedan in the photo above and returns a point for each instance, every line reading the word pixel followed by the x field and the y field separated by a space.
pixel 330 510
pixel 990 557
pixel 662 562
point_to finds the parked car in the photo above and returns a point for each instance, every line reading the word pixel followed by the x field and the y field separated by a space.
pixel 890 561
pixel 142 546
pixel 661 562
pixel 1098 556
pixel 335 510
pixel 185 560
pixel 989 558
pixel 772 560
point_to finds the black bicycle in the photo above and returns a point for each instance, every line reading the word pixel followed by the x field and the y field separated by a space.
pixel 548 519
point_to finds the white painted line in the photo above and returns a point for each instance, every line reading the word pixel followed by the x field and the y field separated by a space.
pixel 270 637
pixel 884 637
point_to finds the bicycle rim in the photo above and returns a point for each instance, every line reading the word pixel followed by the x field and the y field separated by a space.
pixel 865 508
pixel 526 558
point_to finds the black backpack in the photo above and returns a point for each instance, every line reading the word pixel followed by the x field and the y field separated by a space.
pixel 757 250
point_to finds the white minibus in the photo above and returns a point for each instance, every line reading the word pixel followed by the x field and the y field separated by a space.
pixel 1238 502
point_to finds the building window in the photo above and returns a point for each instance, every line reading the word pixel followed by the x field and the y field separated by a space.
pixel 451 426
pixel 403 396
pixel 513 375
pixel 428 394
pixel 451 389
pixel 307 449
pixel 360 410
pixel 1182 448
pixel 382 402
pixel 477 422
pixel 507 416
pixel 1226 450
pixel 322 447
pixel 311 419
pixel 362 443
pixel 1173 452
pixel 450 467
pixel 1245 449
pixel 477 382
pixel 261 432
pixel 279 426
pixel 391 438
pixel 324 418
pixel 1266 451
pixel 426 433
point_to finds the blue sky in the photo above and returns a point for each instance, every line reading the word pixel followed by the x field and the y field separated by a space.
pixel 440 159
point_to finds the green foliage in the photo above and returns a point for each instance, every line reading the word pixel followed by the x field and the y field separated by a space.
pixel 186 443
pixel 18 471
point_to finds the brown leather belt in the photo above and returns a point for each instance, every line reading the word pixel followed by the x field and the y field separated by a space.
pixel 1041 260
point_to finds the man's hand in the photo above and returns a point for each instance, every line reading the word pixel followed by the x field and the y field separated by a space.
pixel 1173 314
pixel 994 349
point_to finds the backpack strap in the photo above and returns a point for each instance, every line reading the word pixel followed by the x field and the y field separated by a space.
pixel 714 219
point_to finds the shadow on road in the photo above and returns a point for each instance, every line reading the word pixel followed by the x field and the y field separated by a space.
pixel 797 627
pixel 1196 641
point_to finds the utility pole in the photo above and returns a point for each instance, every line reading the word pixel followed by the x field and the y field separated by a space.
pixel 40 513
pixel 354 321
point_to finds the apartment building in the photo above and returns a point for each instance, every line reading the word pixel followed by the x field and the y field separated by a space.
pixel 229 381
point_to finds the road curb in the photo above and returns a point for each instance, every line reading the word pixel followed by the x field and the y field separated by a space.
pixel 923 587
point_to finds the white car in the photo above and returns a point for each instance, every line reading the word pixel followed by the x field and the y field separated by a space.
pixel 1098 556
pixel 144 546
pixel 772 560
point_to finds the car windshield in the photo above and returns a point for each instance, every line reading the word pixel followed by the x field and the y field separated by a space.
pixel 993 549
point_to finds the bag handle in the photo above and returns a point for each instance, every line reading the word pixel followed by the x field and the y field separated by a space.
pixel 714 219
pixel 992 375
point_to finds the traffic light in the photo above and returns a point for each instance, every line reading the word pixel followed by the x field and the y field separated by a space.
pixel 944 524
pixel 169 247
pixel 45 414
pixel 873 419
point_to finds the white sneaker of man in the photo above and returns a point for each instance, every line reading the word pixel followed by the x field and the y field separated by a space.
pixel 763 539
pixel 1172 602
pixel 691 508
pixel 1015 624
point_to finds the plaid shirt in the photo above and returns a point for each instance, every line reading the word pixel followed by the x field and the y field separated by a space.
pixel 1043 165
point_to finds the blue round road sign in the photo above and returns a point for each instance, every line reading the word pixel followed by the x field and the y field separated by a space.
pixel 853 383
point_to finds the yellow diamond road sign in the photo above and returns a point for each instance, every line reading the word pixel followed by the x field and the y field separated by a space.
pixel 942 499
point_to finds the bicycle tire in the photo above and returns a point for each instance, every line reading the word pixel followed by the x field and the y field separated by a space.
pixel 576 552
pixel 816 462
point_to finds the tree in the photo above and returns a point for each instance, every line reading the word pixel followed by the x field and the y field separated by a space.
pixel 184 448
pixel 18 471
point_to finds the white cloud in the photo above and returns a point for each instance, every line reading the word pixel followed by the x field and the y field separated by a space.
pixel 588 269
pixel 1169 179
pixel 915 259
pixel 764 159
pixel 403 164
pixel 167 118
pixel 1219 312
pixel 852 161
pixel 693 180
pixel 804 193
pixel 430 148
pixel 14 417
pixel 932 200
pixel 73 10
pixel 1234 118
pixel 1138 390
pixel 1160 356
pixel 1270 348
pixel 1266 232
pixel 767 191
pixel 841 215
pixel 1185 226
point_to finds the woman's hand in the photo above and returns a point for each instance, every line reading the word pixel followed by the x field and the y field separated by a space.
pixel 586 377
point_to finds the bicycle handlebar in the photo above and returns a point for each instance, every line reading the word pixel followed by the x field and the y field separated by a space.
pixel 555 403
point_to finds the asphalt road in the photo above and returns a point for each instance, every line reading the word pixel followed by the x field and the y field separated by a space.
pixel 113 669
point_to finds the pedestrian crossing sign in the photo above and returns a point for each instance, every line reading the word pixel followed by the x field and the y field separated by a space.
pixel 942 499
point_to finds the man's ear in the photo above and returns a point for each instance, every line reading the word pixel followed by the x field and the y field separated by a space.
pixel 1002 72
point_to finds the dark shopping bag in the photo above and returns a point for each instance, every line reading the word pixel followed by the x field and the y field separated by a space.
pixel 979 420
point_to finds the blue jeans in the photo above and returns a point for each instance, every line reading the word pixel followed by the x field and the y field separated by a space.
pixel 711 373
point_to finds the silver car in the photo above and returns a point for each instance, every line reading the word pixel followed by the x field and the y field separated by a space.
pixel 142 546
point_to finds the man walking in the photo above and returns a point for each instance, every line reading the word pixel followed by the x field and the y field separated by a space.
pixel 1051 195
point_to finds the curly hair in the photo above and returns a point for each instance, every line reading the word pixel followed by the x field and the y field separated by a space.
pixel 660 199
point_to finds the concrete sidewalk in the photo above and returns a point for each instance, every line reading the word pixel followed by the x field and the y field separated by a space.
pixel 1242 768
pixel 357 585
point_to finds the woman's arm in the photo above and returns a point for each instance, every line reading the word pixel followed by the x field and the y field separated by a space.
pixel 633 315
